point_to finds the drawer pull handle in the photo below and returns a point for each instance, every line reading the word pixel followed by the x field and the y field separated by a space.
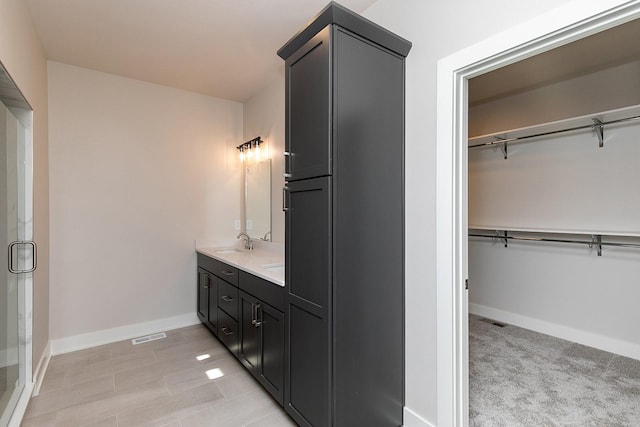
pixel 226 331
pixel 227 273
pixel 205 281
pixel 226 298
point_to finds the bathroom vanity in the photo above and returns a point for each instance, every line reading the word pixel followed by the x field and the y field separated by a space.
pixel 241 300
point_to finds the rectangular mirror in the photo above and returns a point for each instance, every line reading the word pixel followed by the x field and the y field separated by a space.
pixel 257 199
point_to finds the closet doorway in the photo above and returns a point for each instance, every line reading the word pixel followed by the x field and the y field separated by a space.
pixel 558 28
pixel 554 236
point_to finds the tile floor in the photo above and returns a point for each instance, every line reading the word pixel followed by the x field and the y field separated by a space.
pixel 158 383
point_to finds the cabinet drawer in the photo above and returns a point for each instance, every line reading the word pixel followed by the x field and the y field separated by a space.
pixel 227 273
pixel 209 264
pixel 228 298
pixel 262 289
pixel 228 331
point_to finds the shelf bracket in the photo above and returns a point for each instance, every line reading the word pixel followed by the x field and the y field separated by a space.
pixel 596 240
pixel 501 145
pixel 503 237
pixel 598 128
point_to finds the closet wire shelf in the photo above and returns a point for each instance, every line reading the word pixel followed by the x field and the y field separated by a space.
pixel 595 241
pixel 596 126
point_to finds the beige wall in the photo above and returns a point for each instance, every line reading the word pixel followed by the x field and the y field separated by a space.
pixel 138 171
pixel 23 57
pixel 264 115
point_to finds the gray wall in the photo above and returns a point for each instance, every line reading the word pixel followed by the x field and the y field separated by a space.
pixel 437 29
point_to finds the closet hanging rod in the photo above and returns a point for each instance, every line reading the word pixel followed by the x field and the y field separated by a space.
pixel 554 132
pixel 596 240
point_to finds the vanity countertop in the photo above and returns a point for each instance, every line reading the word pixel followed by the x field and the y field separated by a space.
pixel 264 263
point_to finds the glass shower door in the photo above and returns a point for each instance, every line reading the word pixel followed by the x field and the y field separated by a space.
pixel 17 251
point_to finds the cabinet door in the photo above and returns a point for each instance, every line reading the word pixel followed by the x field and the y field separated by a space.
pixel 249 332
pixel 308 279
pixel 271 355
pixel 203 295
pixel 308 104
pixel 212 316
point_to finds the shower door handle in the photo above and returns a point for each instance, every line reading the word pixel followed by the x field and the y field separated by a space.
pixel 34 253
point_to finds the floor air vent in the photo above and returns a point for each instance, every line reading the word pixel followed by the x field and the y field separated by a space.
pixel 147 338
pixel 493 322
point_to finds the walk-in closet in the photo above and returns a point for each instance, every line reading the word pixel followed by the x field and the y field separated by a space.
pixel 554 236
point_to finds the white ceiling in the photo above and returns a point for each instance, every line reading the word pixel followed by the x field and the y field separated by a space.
pixel 221 48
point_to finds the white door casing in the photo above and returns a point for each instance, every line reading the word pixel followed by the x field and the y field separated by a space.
pixel 567 23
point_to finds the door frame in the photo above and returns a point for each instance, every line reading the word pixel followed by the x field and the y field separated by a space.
pixel 569 22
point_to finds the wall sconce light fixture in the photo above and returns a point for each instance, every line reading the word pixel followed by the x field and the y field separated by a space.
pixel 250 150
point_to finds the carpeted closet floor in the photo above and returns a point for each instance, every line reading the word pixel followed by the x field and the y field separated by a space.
pixel 518 377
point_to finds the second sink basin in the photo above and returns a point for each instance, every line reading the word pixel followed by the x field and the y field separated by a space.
pixel 275 267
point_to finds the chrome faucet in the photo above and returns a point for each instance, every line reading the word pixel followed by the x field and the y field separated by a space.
pixel 248 243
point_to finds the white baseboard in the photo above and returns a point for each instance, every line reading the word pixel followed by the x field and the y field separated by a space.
pixel 41 369
pixel 107 336
pixel 411 419
pixel 612 345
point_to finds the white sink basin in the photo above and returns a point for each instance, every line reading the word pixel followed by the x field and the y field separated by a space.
pixel 228 251
pixel 275 267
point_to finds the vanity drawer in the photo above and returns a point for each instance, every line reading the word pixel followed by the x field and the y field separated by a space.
pixel 227 273
pixel 228 331
pixel 228 298
pixel 208 263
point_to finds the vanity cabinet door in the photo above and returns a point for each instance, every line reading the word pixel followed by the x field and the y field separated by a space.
pixel 308 97
pixel 207 304
pixel 271 354
pixel 203 295
pixel 249 332
pixel 212 317
pixel 261 347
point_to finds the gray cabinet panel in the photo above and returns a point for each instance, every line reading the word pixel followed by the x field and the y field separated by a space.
pixel 308 115
pixel 345 224
pixel 307 383
pixel 368 234
pixel 307 240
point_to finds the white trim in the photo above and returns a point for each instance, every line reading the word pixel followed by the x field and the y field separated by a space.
pixel 580 336
pixel 107 336
pixel 569 22
pixel 411 419
pixel 21 406
pixel 41 369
